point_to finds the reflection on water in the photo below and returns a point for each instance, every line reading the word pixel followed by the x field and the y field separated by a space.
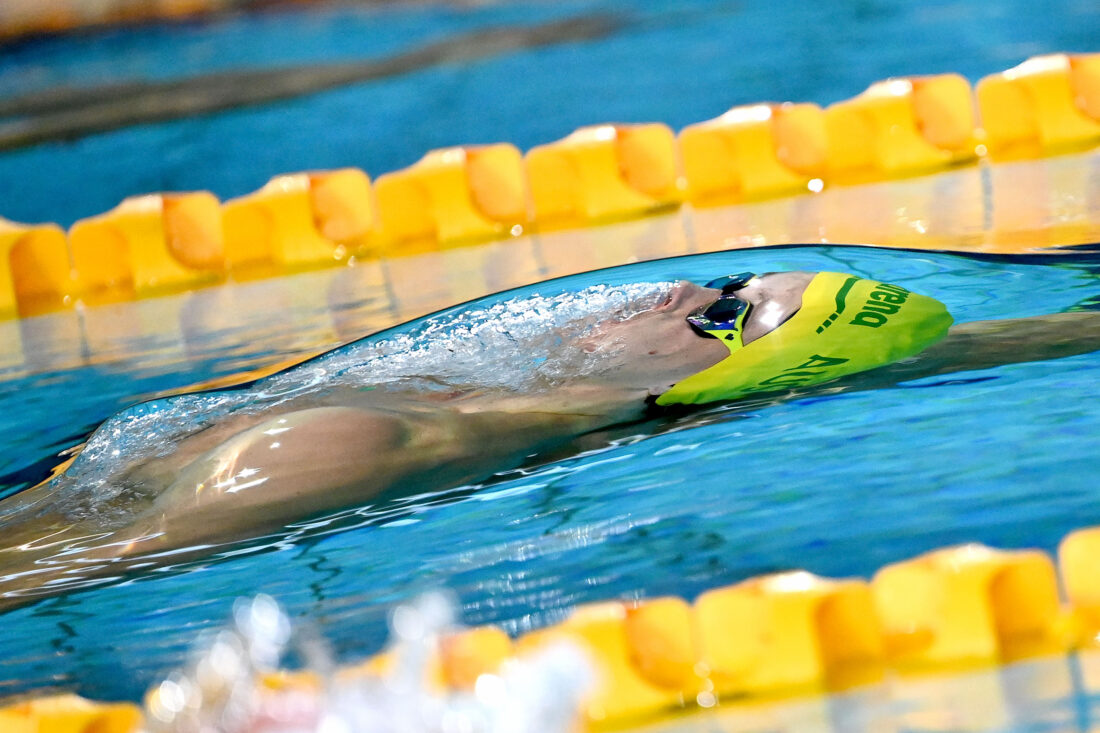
pixel 1056 695
pixel 840 485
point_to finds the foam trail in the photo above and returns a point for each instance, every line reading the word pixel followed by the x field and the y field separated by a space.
pixel 517 344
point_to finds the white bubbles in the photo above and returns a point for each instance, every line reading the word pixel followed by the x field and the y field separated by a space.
pixel 414 623
pixel 225 659
pixel 224 689
pixel 490 689
pixel 263 624
pixel 167 701
pixel 517 344
pixel 334 724
pixel 520 344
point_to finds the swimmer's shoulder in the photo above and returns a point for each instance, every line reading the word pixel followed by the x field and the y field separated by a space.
pixel 379 429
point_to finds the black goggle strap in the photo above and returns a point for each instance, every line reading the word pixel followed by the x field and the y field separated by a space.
pixel 731 283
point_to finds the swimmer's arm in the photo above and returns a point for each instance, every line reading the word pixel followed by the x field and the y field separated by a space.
pixel 986 344
pixel 284 468
pixel 322 459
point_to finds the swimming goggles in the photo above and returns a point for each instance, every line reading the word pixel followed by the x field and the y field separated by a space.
pixel 725 314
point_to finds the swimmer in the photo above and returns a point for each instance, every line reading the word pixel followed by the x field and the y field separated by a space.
pixel 239 473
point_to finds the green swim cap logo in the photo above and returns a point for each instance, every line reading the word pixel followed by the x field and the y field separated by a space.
pixel 884 301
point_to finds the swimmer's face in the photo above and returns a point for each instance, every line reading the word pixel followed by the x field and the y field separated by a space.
pixel 657 348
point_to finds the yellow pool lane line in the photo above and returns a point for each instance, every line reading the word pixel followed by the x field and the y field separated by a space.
pixel 783 635
pixel 168 242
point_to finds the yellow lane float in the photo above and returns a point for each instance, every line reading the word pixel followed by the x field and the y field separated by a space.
pixel 621 691
pixel 970 605
pixel 900 127
pixel 755 151
pixel 343 207
pixel 1078 559
pixel 69 714
pixel 604 172
pixel 454 194
pixel 1046 104
pixel 275 228
pixel 462 195
pixel 149 245
pixel 35 272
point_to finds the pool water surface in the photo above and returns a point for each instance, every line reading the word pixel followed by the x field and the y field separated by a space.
pixel 836 484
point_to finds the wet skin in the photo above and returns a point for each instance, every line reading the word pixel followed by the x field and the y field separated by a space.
pixel 252 475
pixel 324 458
pixel 249 476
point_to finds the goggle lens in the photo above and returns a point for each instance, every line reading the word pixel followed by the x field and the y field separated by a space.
pixel 722 314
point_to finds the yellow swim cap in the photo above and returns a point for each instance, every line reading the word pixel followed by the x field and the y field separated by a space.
pixel 846 325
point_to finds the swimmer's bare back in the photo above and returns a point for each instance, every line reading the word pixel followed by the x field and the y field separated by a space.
pixel 321 459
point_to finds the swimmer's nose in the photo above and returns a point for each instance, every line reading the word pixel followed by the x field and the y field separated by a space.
pixel 675 296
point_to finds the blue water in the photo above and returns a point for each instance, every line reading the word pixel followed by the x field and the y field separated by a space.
pixel 674 61
pixel 839 485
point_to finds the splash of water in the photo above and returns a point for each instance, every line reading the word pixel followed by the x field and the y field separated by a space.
pixel 221 690
pixel 521 344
